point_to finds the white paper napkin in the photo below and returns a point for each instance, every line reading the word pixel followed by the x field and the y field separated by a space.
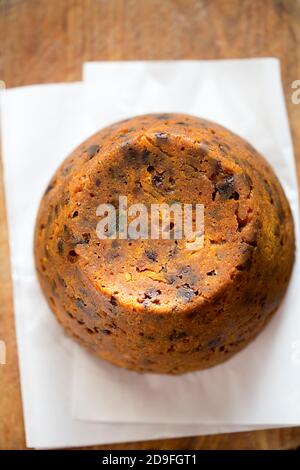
pixel 261 384
pixel 41 125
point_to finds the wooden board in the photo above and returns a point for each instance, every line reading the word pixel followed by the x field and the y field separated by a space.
pixel 47 41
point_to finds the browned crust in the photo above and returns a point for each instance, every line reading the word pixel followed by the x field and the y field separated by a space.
pixel 152 305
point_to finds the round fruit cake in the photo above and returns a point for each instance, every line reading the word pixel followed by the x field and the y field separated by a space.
pixel 155 305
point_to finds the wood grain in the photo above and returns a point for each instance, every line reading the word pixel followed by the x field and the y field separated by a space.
pixel 47 41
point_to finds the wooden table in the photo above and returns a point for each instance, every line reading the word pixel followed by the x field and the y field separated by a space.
pixel 47 41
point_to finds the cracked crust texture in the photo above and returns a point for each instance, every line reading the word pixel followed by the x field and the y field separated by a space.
pixel 153 305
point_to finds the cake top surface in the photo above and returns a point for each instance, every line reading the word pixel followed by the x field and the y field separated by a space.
pixel 169 160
